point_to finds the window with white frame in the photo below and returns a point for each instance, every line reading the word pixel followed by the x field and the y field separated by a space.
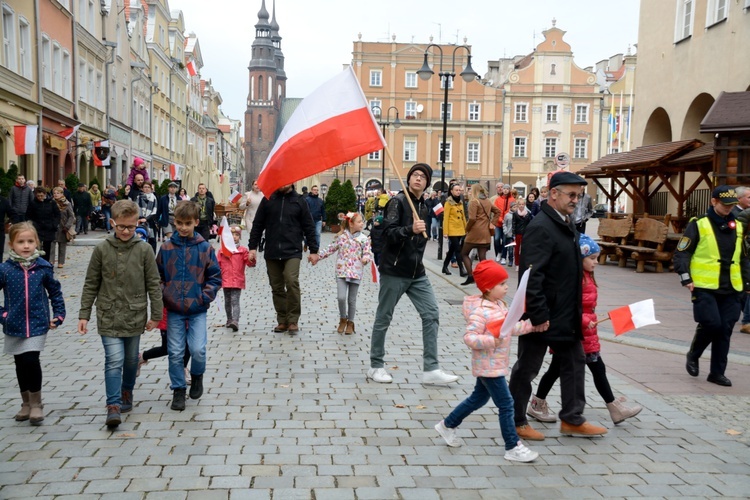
pixel 99 90
pixel 375 155
pixel 411 80
pixel 450 82
pixel 716 11
pixel 376 107
pixel 82 87
pixel 582 113
pixel 24 48
pixel 210 150
pixel 684 19
pixel 472 152
pixel 550 147
pixel 580 148
pixel 376 78
pixel 448 148
pixel 551 113
pixel 9 38
pixel 411 109
pixel 91 83
pixel 46 62
pixel 90 10
pixel 410 149
pixel 450 110
pixel 521 114
pixel 67 83
pixel 519 147
pixel 56 68
pixel 474 109
pixel 113 95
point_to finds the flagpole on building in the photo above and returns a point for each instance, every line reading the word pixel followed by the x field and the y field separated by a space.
pixel 404 187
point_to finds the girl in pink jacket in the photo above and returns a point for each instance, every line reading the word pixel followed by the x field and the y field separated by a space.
pixel 354 253
pixel 233 278
pixel 490 355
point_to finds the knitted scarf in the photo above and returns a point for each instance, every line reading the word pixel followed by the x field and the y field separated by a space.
pixel 26 262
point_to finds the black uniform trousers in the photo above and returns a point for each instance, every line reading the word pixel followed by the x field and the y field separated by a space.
pixel 716 314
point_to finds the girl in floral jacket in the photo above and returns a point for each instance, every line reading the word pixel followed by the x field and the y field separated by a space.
pixel 354 253
pixel 490 357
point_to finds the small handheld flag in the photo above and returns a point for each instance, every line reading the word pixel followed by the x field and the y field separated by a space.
pixel 517 307
pixel 375 272
pixel 438 209
pixel 633 316
pixel 228 247
pixel 235 197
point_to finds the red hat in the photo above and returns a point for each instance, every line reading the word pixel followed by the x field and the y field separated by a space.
pixel 138 161
pixel 488 274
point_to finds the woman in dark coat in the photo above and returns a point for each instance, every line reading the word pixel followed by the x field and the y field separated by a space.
pixel 45 215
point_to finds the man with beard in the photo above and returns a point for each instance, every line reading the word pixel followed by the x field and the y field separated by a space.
pixel 285 218
pixel 207 205
pixel 136 188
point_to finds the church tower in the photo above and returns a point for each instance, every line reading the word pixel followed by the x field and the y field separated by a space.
pixel 267 89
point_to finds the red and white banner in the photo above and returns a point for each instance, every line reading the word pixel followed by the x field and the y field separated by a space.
pixel 228 246
pixel 191 68
pixel 633 316
pixel 331 126
pixel 375 272
pixel 517 307
pixel 101 154
pixel 438 209
pixel 25 137
pixel 235 197
pixel 69 132
pixel 175 172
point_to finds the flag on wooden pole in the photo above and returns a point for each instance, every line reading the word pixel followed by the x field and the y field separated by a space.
pixel 69 132
pixel 228 247
pixel 517 307
pixel 633 316
pixel 331 126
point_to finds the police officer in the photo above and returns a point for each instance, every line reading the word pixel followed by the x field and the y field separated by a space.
pixel 711 263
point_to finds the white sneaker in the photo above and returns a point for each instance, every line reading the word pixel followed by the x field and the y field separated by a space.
pixel 521 454
pixel 379 375
pixel 438 377
pixel 503 262
pixel 448 434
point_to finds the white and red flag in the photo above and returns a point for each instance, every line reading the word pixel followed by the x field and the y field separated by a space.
pixel 101 154
pixel 517 307
pixel 228 246
pixel 331 126
pixel 69 132
pixel 235 197
pixel 375 272
pixel 24 137
pixel 633 316
pixel 191 68
pixel 438 209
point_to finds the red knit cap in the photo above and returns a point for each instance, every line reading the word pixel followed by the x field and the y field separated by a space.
pixel 488 274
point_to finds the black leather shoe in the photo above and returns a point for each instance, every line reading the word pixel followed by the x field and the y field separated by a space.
pixel 692 366
pixel 719 380
pixel 463 274
pixel 445 271
pixel 468 281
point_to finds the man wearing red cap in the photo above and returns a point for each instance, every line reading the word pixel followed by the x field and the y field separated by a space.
pixel 554 307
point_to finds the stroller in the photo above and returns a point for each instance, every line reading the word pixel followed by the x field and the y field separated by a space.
pixel 97 219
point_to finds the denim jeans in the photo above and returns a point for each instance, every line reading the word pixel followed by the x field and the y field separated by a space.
pixel 107 211
pixel 498 242
pixel 120 366
pixel 82 224
pixel 487 388
pixel 318 229
pixel 180 327
pixel 434 228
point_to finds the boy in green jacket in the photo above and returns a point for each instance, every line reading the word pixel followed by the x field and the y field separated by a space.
pixel 122 278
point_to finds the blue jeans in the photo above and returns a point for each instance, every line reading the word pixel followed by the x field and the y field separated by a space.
pixel 487 388
pixel 434 228
pixel 318 229
pixel 107 211
pixel 179 328
pixel 120 366
pixel 498 241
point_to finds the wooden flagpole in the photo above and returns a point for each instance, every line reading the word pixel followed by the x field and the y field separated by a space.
pixel 405 188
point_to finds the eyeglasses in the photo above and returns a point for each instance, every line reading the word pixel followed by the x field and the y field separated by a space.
pixel 419 176
pixel 572 195
pixel 121 227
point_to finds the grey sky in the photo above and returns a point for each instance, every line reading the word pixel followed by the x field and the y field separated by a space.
pixel 318 35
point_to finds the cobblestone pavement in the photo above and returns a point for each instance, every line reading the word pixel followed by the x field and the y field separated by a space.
pixel 294 417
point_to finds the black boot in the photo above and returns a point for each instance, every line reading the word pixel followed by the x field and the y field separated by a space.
pixel 196 386
pixel 461 270
pixel 697 346
pixel 468 281
pixel 445 268
pixel 178 400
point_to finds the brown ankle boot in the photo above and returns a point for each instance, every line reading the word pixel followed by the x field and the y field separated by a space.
pixel 23 415
pixel 342 325
pixel 349 328
pixel 36 415
pixel 619 412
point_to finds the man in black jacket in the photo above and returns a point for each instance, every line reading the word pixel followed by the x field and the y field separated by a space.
pixel 554 307
pixel 285 217
pixel 402 272
pixel 207 205
pixel 45 216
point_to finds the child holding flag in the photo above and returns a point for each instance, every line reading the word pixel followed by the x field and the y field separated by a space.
pixel 354 252
pixel 591 347
pixel 490 353
pixel 232 260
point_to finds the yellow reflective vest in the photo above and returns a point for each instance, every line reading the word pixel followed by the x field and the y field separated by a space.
pixel 705 266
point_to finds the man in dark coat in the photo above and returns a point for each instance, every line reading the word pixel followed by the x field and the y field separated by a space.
pixel 554 307
pixel 207 205
pixel 6 211
pixel 82 207
pixel 20 198
pixel 45 216
pixel 285 217
pixel 317 211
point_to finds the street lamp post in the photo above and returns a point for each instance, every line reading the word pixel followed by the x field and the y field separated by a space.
pixel 359 191
pixel 510 169
pixel 383 125
pixel 446 77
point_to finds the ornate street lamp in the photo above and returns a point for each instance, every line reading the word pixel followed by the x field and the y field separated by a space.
pixel 446 77
pixel 383 124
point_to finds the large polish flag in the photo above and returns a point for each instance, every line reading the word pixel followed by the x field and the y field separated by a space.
pixel 331 126
pixel 24 137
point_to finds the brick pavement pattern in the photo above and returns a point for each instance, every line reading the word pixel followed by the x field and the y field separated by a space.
pixel 294 417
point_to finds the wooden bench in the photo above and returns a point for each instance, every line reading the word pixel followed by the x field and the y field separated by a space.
pixel 613 233
pixel 650 236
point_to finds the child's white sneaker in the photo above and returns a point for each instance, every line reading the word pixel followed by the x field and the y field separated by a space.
pixel 521 454
pixel 448 434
